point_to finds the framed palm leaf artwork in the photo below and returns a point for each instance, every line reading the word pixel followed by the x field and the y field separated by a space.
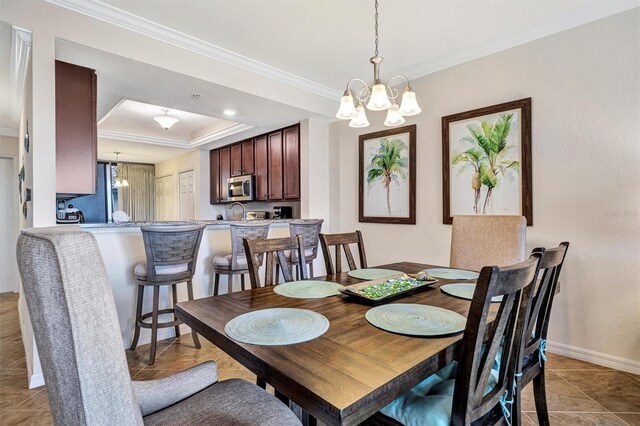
pixel 486 161
pixel 388 176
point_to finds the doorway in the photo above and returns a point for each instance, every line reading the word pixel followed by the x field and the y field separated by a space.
pixel 164 198
pixel 8 226
pixel 187 196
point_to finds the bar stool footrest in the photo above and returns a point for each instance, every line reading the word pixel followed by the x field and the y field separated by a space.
pixel 164 324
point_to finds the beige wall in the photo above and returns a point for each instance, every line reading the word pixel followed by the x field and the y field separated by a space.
pixel 586 174
pixel 9 146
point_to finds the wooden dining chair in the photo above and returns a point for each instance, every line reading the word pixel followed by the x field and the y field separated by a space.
pixel 342 241
pixel 479 240
pixel 481 389
pixel 537 323
pixel 275 251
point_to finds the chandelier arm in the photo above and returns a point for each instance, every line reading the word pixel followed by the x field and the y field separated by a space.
pixel 359 93
pixel 367 94
pixel 406 80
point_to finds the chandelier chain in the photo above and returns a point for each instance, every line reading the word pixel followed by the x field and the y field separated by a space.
pixel 376 19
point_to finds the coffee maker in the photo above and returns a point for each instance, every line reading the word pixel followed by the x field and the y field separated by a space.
pixel 68 214
pixel 282 212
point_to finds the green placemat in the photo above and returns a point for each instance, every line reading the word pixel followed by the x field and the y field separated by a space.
pixel 452 274
pixel 372 273
pixel 464 291
pixel 416 320
pixel 307 289
pixel 277 326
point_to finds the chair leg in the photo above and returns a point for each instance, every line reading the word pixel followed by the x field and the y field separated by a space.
pixel 216 284
pixel 261 382
pixel 540 398
pixel 174 297
pixel 154 325
pixel 242 281
pixel 298 271
pixel 136 332
pixel 308 419
pixel 311 269
pixel 277 281
pixel 194 335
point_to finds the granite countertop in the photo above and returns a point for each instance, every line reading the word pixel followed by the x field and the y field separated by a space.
pixel 174 223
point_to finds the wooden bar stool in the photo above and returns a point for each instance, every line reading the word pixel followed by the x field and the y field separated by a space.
pixel 310 231
pixel 171 259
pixel 235 263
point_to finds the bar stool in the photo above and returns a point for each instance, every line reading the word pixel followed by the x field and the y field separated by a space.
pixel 236 262
pixel 310 231
pixel 171 253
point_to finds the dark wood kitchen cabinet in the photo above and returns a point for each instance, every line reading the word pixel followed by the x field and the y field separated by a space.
pixel 273 158
pixel 76 129
pixel 214 176
pixel 291 163
pixel 261 171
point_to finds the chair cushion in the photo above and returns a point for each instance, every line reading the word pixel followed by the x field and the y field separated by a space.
pixel 141 269
pixel 224 261
pixel 230 402
pixel 430 402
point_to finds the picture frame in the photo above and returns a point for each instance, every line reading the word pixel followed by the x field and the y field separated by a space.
pixel 486 161
pixel 387 185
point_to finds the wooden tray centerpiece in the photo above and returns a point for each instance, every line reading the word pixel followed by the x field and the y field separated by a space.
pixel 389 288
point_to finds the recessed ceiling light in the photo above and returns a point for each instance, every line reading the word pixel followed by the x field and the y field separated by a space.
pixel 229 112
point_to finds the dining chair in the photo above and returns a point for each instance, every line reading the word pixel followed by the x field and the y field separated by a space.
pixel 235 263
pixel 536 325
pixel 479 387
pixel 480 240
pixel 342 241
pixel 275 251
pixel 310 231
pixel 75 324
pixel 172 253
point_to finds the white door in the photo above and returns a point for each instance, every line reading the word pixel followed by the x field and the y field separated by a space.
pixel 187 196
pixel 164 198
pixel 8 226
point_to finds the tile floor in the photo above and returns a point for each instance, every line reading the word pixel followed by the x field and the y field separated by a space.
pixel 578 393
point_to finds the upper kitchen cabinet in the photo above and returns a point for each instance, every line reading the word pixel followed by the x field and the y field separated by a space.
pixel 214 176
pixel 274 141
pixel 261 170
pixel 76 129
pixel 291 163
pixel 225 173
pixel 236 159
pixel 242 158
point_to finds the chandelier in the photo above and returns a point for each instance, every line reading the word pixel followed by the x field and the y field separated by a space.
pixel 119 183
pixel 378 96
pixel 166 120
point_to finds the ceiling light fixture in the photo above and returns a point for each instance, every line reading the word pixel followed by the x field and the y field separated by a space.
pixel 166 121
pixel 229 112
pixel 378 96
pixel 123 182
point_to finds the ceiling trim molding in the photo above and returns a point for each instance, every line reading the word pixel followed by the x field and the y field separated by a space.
pixel 594 11
pixel 8 131
pixel 112 15
pixel 193 143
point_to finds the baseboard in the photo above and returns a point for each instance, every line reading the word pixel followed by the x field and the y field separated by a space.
pixel 36 380
pixel 611 361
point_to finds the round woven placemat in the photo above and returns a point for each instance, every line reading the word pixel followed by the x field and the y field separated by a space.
pixel 464 291
pixel 452 274
pixel 307 289
pixel 372 273
pixel 277 326
pixel 416 320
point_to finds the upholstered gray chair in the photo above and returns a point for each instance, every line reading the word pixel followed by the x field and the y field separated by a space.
pixel 477 241
pixel 74 320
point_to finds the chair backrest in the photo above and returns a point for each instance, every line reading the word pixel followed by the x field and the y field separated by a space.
pixel 479 240
pixel 537 322
pixel 275 249
pixel 310 231
pixel 342 240
pixel 241 231
pixel 485 342
pixel 76 328
pixel 169 246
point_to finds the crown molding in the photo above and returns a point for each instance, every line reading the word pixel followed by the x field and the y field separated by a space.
pixel 8 131
pixel 115 16
pixel 193 143
pixel 594 11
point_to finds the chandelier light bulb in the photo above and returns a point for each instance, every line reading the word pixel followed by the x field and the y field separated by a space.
pixel 394 118
pixel 347 108
pixel 409 105
pixel 360 120
pixel 166 121
pixel 378 101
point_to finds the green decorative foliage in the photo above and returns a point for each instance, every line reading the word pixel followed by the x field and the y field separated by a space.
pixel 388 165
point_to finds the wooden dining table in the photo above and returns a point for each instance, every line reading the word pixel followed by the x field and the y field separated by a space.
pixel 352 370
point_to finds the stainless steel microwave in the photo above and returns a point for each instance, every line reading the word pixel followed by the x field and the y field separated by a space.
pixel 241 188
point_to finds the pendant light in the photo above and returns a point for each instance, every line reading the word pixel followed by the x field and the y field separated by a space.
pixel 166 120
pixel 377 96
pixel 119 183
